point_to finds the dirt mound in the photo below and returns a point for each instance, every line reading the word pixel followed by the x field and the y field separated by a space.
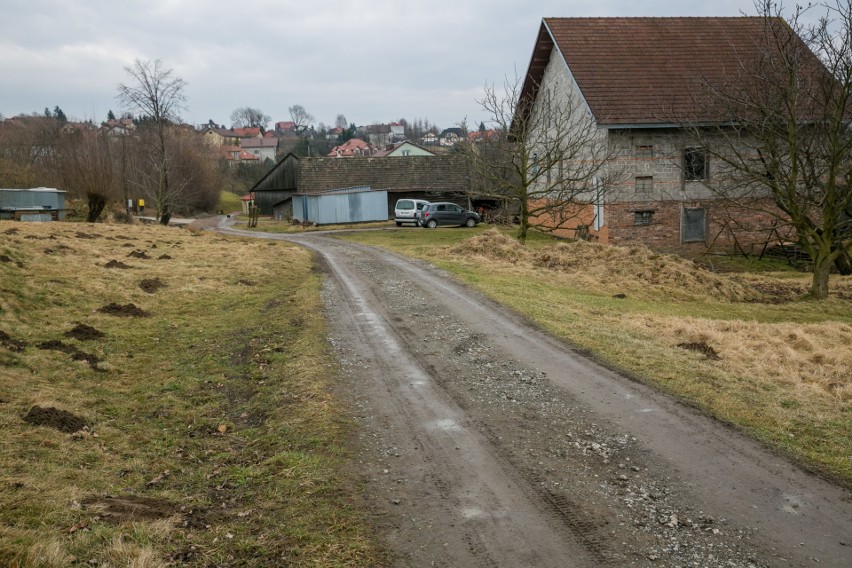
pixel 138 254
pixel 12 231
pixel 633 269
pixel 129 508
pixel 76 354
pixel 116 264
pixel 164 257
pixel 54 418
pixel 11 344
pixel 127 310
pixel 4 258
pixel 151 285
pixel 86 236
pixel 84 332
pixel 493 244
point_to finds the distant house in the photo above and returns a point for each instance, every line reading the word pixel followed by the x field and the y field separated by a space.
pixel 402 149
pixel 234 155
pixel 215 137
pixel 397 132
pixel 379 134
pixel 119 126
pixel 249 132
pixel 33 204
pixel 430 139
pixel 633 77
pixel 264 148
pixel 451 136
pixel 247 202
pixel 285 127
pixel 353 148
pixel 480 135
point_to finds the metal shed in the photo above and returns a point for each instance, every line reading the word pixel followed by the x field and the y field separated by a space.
pixel 346 205
pixel 34 204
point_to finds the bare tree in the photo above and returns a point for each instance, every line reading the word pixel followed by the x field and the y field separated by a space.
pixel 786 147
pixel 547 158
pixel 302 118
pixel 248 117
pixel 340 121
pixel 88 169
pixel 157 95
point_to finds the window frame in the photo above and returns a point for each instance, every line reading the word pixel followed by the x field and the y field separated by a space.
pixel 690 170
pixel 684 238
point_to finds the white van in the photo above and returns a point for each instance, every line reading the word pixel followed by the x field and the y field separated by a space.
pixel 408 211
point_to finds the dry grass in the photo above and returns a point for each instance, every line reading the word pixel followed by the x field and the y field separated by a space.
pixel 212 437
pixel 634 270
pixel 744 347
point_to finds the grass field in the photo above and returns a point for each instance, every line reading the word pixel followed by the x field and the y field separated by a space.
pixel 741 345
pixel 229 202
pixel 165 398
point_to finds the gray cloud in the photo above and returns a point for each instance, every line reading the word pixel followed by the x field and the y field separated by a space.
pixel 374 60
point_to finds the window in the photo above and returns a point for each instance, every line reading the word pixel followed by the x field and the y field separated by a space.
pixel 406 152
pixel 693 226
pixel 645 151
pixel 694 164
pixel 644 185
pixel 643 217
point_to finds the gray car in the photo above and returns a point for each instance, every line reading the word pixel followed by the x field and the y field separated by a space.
pixel 444 213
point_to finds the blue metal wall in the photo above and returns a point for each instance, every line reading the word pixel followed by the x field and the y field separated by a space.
pixel 341 206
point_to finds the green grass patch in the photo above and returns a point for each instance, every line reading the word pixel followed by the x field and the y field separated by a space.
pixel 229 202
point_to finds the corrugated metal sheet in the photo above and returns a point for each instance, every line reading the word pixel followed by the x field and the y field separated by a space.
pixel 34 204
pixel 351 205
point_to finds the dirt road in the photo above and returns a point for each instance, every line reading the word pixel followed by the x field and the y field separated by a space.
pixel 484 442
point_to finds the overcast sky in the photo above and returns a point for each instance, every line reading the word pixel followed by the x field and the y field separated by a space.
pixel 371 60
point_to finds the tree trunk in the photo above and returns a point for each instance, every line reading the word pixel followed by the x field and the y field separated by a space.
pixel 819 285
pixel 96 207
pixel 843 263
pixel 165 217
pixel 524 218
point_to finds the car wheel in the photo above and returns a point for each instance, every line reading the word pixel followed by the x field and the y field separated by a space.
pixel 432 223
pixel 399 223
pixel 471 222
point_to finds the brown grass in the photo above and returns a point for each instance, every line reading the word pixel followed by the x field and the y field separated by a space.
pixel 628 270
pixel 194 411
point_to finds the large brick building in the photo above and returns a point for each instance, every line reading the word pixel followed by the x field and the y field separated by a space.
pixel 638 78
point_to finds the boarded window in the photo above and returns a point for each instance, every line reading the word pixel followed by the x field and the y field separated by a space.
pixel 694 164
pixel 693 225
pixel 645 151
pixel 643 217
pixel 644 185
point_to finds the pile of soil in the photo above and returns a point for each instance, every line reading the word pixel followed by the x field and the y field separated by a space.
pixel 151 285
pixel 85 236
pixel 18 263
pixel 12 231
pixel 72 350
pixel 630 268
pixel 54 418
pixel 127 310
pixel 164 257
pixel 84 332
pixel 138 254
pixel 11 344
pixel 116 264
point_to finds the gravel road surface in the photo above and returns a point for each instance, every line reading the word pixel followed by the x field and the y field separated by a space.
pixel 483 442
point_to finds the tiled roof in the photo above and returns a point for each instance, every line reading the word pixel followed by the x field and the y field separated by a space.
pixel 414 173
pixel 645 70
pixel 259 142
pixel 249 132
